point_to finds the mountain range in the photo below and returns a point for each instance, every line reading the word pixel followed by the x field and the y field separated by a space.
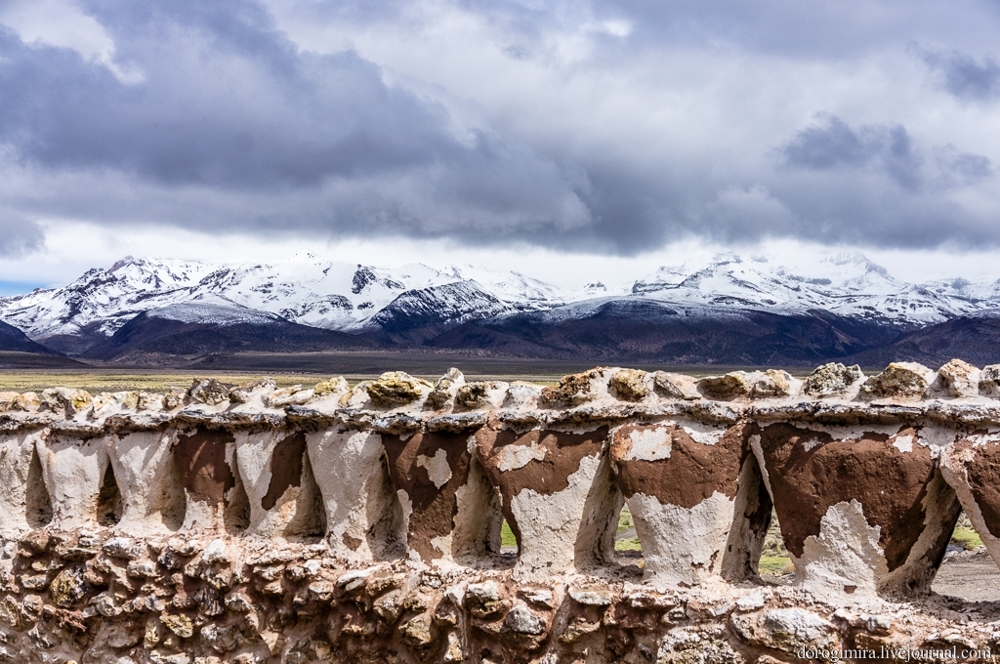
pixel 724 310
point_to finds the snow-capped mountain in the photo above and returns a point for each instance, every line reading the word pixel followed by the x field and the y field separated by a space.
pixel 847 284
pixel 416 303
pixel 984 293
pixel 303 289
pixel 106 298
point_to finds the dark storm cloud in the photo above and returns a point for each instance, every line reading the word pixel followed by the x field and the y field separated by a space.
pixel 828 146
pixel 964 77
pixel 227 102
pixel 873 184
pixel 833 144
pixel 217 119
pixel 328 116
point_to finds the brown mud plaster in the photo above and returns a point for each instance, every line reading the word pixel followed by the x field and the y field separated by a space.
pixel 984 481
pixel 434 508
pixel 351 543
pixel 201 460
pixel 810 471
pixel 286 468
pixel 563 453
pixel 692 472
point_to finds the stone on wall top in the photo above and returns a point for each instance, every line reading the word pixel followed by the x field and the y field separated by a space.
pixel 957 391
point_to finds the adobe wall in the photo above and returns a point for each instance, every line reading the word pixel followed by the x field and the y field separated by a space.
pixel 340 524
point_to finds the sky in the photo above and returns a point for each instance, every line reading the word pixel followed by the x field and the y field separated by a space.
pixel 565 139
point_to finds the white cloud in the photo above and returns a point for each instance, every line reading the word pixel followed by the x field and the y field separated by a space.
pixel 62 24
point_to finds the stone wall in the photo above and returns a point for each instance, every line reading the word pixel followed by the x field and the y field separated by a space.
pixel 362 524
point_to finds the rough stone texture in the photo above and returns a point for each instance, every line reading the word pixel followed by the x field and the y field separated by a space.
pixel 445 389
pixel 629 384
pixel 288 396
pixel 66 401
pixel 271 602
pixel 773 383
pixel 138 528
pixel 481 394
pixel 989 381
pixel 395 388
pixel 958 379
pixel 262 387
pixel 900 380
pixel 676 386
pixel 725 388
pixel 576 389
pixel 786 630
pixel 330 386
pixel 832 379
pixel 28 402
pixel 208 391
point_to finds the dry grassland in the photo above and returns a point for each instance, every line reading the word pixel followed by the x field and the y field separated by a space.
pixel 96 382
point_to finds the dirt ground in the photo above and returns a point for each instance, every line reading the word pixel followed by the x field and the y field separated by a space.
pixel 972 576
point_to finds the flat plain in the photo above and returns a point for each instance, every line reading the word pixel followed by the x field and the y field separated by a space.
pixel 29 371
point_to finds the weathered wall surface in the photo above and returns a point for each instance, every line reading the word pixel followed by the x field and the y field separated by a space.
pixel 339 524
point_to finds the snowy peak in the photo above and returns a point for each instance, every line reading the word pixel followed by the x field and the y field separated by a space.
pixel 978 291
pixel 106 297
pixel 511 287
pixel 154 273
pixel 304 289
pixel 848 284
pixel 351 297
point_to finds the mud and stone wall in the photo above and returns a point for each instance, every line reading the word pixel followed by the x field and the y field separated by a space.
pixel 362 524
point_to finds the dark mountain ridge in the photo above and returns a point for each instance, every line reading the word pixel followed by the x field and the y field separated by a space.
pixel 624 331
pixel 149 338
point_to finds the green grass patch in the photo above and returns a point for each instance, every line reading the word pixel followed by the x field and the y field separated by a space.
pixel 507 537
pixel 625 520
pixel 628 545
pixel 776 565
pixel 966 537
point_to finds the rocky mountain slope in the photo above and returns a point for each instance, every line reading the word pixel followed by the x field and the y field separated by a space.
pixel 159 336
pixel 724 309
